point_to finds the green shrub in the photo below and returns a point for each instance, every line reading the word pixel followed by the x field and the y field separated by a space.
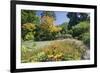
pixel 41 57
pixel 80 28
pixel 63 36
pixel 29 36
pixel 25 54
pixel 28 31
pixel 85 37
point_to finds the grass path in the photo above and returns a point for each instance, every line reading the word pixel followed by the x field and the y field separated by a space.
pixel 36 45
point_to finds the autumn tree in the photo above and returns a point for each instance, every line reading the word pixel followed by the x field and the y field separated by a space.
pixel 47 21
pixel 28 31
pixel 47 27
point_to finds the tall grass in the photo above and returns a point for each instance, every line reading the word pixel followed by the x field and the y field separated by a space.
pixel 61 50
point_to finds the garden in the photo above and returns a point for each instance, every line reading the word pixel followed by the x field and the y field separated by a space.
pixel 48 36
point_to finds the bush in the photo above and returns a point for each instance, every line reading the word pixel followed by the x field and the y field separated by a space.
pixel 85 37
pixel 40 57
pixel 80 28
pixel 65 50
pixel 63 36
pixel 29 36
pixel 28 27
pixel 28 31
pixel 25 54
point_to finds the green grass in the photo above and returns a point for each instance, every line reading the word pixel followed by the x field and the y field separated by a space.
pixel 30 44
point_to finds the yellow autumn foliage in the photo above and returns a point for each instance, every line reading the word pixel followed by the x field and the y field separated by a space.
pixel 47 20
pixel 48 24
pixel 55 29
pixel 28 26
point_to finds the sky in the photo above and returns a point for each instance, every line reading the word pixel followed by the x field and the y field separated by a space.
pixel 60 17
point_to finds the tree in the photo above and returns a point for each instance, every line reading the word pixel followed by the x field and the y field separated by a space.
pixel 84 17
pixel 29 16
pixel 81 28
pixel 64 27
pixel 48 13
pixel 28 31
pixel 29 20
pixel 49 30
pixel 47 22
pixel 75 18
